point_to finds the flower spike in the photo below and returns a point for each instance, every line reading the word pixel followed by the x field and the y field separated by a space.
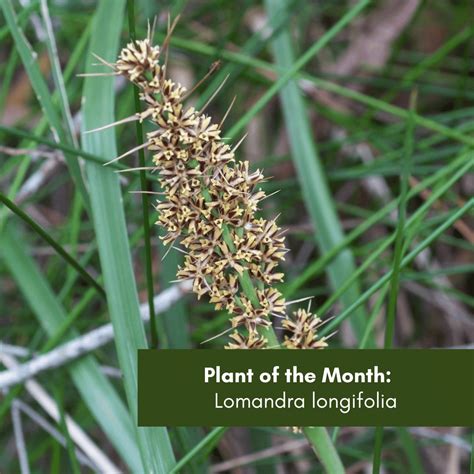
pixel 209 203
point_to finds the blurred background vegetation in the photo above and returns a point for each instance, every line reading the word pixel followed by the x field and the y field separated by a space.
pixel 364 122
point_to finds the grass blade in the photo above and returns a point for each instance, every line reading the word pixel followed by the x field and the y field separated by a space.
pixel 453 217
pixel 42 93
pixel 55 245
pixel 409 445
pixel 442 176
pixel 96 391
pixel 144 187
pixel 315 190
pixel 205 445
pixel 412 221
pixel 111 232
pixel 57 73
pixel 324 449
pixel 291 67
pixel 369 101
pixel 175 321
pixel 399 237
pixel 397 259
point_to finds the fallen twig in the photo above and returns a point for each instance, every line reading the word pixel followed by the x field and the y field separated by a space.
pixel 80 438
pixel 86 343
pixel 32 152
pixel 20 440
pixel 51 430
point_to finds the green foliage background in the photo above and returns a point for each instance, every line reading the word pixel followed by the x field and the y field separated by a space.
pixel 361 112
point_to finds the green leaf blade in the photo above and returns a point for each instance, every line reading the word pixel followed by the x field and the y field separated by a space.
pixel 111 232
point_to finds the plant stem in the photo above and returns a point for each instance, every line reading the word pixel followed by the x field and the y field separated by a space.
pixel 144 187
pixel 54 244
pixel 397 260
pixel 324 449
pixel 210 440
pixel 317 436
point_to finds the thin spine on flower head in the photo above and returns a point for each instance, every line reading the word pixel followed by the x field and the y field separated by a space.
pixel 210 204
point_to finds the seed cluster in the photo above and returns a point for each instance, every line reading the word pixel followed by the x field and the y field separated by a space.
pixel 303 329
pixel 209 207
